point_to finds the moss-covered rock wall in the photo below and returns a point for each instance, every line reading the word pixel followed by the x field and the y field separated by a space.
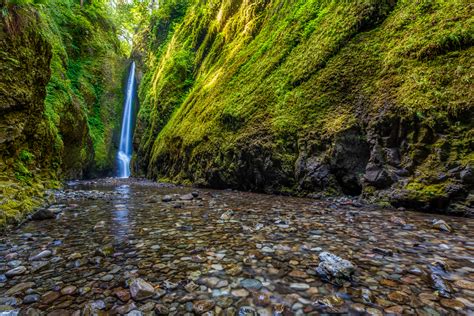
pixel 61 71
pixel 370 98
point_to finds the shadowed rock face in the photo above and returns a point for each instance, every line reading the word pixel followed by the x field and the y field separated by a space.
pixel 24 74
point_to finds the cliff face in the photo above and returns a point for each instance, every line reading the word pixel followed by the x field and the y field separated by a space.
pixel 370 98
pixel 60 100
pixel 24 65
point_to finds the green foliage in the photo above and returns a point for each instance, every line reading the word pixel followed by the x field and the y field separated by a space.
pixel 25 156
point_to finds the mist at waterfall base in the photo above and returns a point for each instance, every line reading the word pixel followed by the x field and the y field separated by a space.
pixel 125 149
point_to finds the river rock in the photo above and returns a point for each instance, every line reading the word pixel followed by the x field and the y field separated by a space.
pixel 453 304
pixel 140 289
pixel 227 215
pixel 19 288
pixel 93 308
pixel 31 298
pixel 43 214
pixel 167 198
pixel 40 255
pixel 240 293
pixel 14 263
pixel 68 290
pixel 251 284
pixel 464 284
pixel 161 309
pixel 203 306
pixel 334 267
pixel 124 309
pixel 247 311
pixel 438 283
pixel 442 225
pixel 16 271
pixel 49 297
pixel 186 197
pixel 299 286
pixel 10 301
pixel 9 311
pixel 148 307
pixel 383 252
pixel 122 294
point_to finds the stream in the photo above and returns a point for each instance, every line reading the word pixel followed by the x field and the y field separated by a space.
pixel 126 246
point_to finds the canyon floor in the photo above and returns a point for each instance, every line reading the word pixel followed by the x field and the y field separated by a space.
pixel 140 248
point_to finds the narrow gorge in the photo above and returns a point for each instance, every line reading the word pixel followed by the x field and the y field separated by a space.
pixel 236 157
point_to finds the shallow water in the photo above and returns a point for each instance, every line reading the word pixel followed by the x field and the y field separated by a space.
pixel 110 232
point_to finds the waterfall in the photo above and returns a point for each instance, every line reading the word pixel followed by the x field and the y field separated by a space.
pixel 125 150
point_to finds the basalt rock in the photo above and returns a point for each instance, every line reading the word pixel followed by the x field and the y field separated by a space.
pixel 334 269
pixel 140 289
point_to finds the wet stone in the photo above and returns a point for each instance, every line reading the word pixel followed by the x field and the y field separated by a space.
pixel 240 293
pixel 262 299
pixel 31 298
pixel 43 214
pixel 14 263
pixel 247 311
pixel 41 255
pixel 16 271
pixel 251 284
pixel 396 309
pixel 124 309
pixel 68 290
pixel 167 198
pixel 161 309
pixel 107 278
pixel 442 225
pixel 10 301
pixel 464 284
pixel 140 289
pixel 299 286
pixel 37 266
pixel 334 267
pixel 398 297
pixel 383 252
pixel 358 308
pixel 203 306
pixel 20 288
pixel 49 297
pixel 148 307
pixel 122 294
pixel 440 284
pixel 452 304
pixel 186 197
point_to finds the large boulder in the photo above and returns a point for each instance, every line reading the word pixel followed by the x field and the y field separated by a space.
pixel 333 268
pixel 140 289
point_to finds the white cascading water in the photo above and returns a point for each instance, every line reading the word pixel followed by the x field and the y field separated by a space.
pixel 125 149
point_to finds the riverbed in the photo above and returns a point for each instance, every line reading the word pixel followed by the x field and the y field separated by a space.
pixel 230 253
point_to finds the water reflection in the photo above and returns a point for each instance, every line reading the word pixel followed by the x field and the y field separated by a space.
pixel 120 214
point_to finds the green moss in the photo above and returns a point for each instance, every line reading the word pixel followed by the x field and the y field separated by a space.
pixel 425 193
pixel 25 156
pixel 311 71
pixel 20 198
pixel 86 83
pixel 67 110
